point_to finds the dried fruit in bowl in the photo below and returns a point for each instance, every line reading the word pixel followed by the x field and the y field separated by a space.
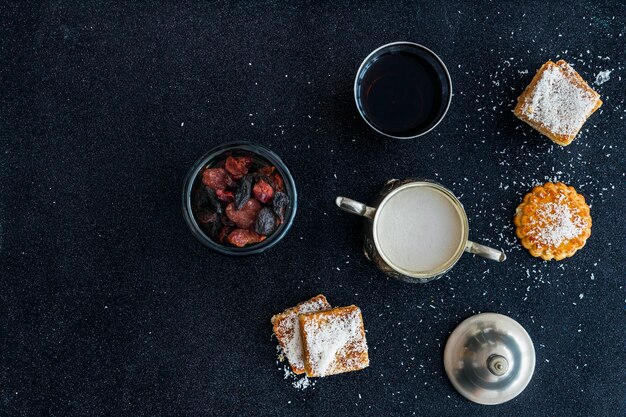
pixel 239 200
pixel 279 205
pixel 223 234
pixel 267 170
pixel 238 166
pixel 217 179
pixel 263 190
pixel 278 182
pixel 225 196
pixel 243 192
pixel 265 222
pixel 243 237
pixel 245 217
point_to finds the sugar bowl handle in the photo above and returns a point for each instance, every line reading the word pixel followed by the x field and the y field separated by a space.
pixel 485 251
pixel 354 207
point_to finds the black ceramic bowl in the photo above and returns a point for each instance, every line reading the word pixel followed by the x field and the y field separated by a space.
pixel 213 157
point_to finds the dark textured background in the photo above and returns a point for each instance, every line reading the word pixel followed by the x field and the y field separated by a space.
pixel 108 306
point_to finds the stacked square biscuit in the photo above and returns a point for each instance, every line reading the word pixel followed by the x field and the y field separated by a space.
pixel 321 340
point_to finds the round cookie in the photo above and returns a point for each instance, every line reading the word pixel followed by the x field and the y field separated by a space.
pixel 553 221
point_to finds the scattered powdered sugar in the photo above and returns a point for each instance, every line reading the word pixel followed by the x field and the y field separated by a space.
pixel 556 223
pixel 557 103
pixel 280 354
pixel 302 383
pixel 336 343
pixel 602 77
pixel 299 383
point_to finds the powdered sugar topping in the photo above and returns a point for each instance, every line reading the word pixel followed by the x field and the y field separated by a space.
pixel 336 342
pixel 556 223
pixel 559 104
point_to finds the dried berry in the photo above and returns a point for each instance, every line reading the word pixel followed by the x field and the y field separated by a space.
pixel 207 216
pixel 200 197
pixel 225 196
pixel 223 234
pixel 265 222
pixel 245 217
pixel 241 200
pixel 217 179
pixel 210 221
pixel 243 192
pixel 279 205
pixel 213 200
pixel 227 222
pixel 238 166
pixel 243 237
pixel 266 170
pixel 213 228
pixel 278 182
pixel 263 190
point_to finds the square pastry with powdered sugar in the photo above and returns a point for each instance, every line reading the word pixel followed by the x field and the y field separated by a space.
pixel 557 102
pixel 334 341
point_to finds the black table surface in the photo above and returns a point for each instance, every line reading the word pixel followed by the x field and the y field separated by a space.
pixel 109 306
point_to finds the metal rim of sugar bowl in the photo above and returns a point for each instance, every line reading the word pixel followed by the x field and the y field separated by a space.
pixel 422 276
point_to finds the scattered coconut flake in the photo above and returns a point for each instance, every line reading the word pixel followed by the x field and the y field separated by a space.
pixel 302 383
pixel 602 77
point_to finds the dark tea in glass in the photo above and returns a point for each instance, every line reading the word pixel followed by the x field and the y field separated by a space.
pixel 402 90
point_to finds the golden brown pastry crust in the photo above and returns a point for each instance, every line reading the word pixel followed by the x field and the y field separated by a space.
pixel 523 108
pixel 334 341
pixel 553 221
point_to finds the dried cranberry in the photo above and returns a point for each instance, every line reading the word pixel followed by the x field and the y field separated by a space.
pixel 238 166
pixel 278 182
pixel 223 234
pixel 243 237
pixel 227 222
pixel 225 196
pixel 263 191
pixel 213 201
pixel 210 221
pixel 204 197
pixel 217 179
pixel 265 222
pixel 267 170
pixel 200 197
pixel 207 216
pixel 243 192
pixel 212 228
pixel 245 217
pixel 279 205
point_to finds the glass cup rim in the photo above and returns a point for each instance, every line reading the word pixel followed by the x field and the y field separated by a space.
pixel 445 267
pixel 290 189
pixel 413 45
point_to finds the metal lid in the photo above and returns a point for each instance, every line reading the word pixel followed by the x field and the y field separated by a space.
pixel 489 358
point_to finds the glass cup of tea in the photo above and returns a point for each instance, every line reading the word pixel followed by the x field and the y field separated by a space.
pixel 416 230
pixel 402 90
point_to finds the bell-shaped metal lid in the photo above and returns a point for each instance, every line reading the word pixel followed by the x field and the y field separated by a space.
pixel 489 358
